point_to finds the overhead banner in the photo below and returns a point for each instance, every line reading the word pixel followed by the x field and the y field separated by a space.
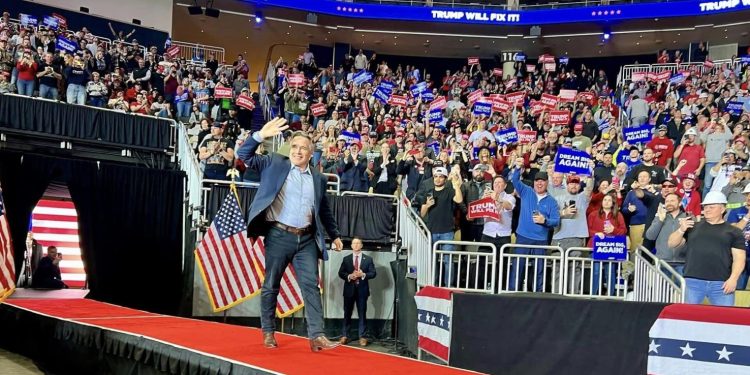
pixel 484 208
pixel 569 160
pixel 610 248
pixel 638 134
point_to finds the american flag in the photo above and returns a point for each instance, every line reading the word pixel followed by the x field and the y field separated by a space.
pixel 7 267
pixel 434 311
pixel 230 269
pixel 55 223
pixel 699 339
pixel 290 295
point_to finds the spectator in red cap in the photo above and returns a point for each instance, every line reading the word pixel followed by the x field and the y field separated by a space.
pixel 580 141
pixel 690 197
pixel 663 147
pixel 691 153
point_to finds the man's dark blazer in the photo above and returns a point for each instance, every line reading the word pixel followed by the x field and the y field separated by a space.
pixel 390 167
pixel 274 170
pixel 367 265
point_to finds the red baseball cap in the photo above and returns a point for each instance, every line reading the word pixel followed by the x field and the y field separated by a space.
pixel 690 176
pixel 578 126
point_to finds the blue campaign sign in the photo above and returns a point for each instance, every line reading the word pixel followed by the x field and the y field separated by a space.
pixel 603 124
pixel 66 45
pixel 592 14
pixel 481 108
pixel 387 86
pixel 745 59
pixel 506 137
pixel 381 95
pixel 50 22
pixel 677 79
pixel 612 248
pixel 350 137
pixel 475 152
pixel 638 134
pixel 564 60
pixel 734 108
pixel 520 56
pixel 362 77
pixel 418 89
pixel 436 115
pixel 569 160
pixel 427 96
pixel 28 20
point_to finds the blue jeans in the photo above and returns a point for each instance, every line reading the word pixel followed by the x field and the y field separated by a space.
pixel 610 277
pixel 183 109
pixel 446 260
pixel 25 87
pixel 97 101
pixel 283 248
pixel 708 179
pixel 519 265
pixel 697 290
pixel 48 92
pixel 76 94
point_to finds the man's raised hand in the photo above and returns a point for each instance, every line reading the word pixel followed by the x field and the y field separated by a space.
pixel 273 128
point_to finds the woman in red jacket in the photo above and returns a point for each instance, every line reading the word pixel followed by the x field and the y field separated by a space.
pixel 608 221
pixel 27 68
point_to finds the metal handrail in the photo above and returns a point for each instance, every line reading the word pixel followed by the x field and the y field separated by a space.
pixel 650 271
pixel 416 239
pixel 187 51
pixel 335 185
pixel 529 258
pixel 619 293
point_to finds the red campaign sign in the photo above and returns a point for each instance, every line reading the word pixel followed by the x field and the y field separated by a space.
pixel 526 136
pixel 549 100
pixel 473 60
pixel 638 76
pixel 664 75
pixel 501 105
pixel 463 84
pixel 516 97
pixel 550 67
pixel 531 68
pixel 397 100
pixel 650 76
pixel 536 107
pixel 497 72
pixel 438 103
pixel 222 92
pixel 568 95
pixel 510 83
pixel 318 109
pixel 496 96
pixel 365 109
pixel 559 117
pixel 245 101
pixel 173 51
pixel 586 96
pixel 484 208
pixel 547 58
pixel 296 80
pixel 708 63
pixel 475 95
pixel 62 22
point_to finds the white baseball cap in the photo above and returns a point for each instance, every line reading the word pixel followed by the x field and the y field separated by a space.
pixel 691 131
pixel 440 171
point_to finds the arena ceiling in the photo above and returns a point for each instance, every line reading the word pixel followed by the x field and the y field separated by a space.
pixel 236 28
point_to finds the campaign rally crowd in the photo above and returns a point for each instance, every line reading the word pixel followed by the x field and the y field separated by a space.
pixel 564 155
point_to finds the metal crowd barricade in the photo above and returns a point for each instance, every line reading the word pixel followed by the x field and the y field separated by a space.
pixel 416 239
pixel 602 274
pixel 655 280
pixel 189 51
pixel 334 183
pixel 206 188
pixel 627 71
pixel 515 269
pixel 475 271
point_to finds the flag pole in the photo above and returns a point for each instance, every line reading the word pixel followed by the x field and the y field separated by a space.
pixel 232 173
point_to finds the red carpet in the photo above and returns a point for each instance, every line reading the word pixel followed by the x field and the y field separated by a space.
pixel 235 343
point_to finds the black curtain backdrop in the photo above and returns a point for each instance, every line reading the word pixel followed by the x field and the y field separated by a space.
pixel 130 224
pixel 535 334
pixel 371 219
pixel 84 123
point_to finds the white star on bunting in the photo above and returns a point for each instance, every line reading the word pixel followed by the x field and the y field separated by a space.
pixel 687 350
pixel 724 353
pixel 653 347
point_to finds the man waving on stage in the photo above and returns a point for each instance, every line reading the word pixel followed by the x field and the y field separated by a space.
pixel 291 210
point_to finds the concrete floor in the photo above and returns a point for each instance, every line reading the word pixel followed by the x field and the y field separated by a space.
pixel 14 364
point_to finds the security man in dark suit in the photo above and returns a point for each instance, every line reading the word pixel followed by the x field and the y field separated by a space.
pixel 292 212
pixel 356 270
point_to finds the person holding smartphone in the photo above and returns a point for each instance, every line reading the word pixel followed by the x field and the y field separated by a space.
pixel 573 230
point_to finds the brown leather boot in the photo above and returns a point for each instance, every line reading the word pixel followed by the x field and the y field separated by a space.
pixel 322 343
pixel 344 340
pixel 269 341
pixel 362 341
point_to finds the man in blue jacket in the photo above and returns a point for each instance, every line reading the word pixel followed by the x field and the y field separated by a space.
pixel 291 211
pixel 540 213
